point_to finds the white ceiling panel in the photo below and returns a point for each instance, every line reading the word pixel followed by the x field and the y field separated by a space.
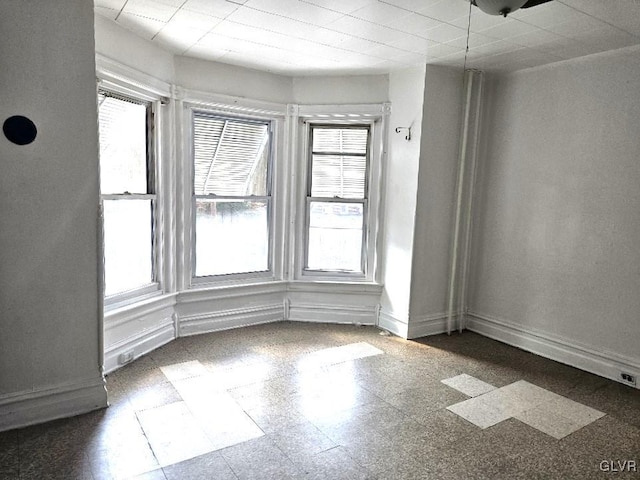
pixel 186 19
pixel 150 9
pixel 442 50
pixel 364 29
pixel 445 10
pixel 623 14
pixel 385 52
pixel 270 21
pixel 580 24
pixel 305 12
pixel 414 23
pixel 444 33
pixel 411 5
pixel 415 45
pixel 299 37
pixel 215 8
pixel 509 28
pixel 146 28
pixel 474 39
pixel 340 5
pixel 380 13
pixel 536 38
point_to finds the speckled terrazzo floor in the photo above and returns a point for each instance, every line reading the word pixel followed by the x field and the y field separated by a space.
pixel 280 401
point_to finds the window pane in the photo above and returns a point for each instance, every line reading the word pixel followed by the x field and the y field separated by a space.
pixel 127 245
pixel 230 156
pixel 335 236
pixel 340 140
pixel 338 176
pixel 231 237
pixel 123 146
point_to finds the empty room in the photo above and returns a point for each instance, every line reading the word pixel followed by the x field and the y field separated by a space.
pixel 319 239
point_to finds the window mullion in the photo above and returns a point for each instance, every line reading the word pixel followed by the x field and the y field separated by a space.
pixel 129 196
pixel 233 197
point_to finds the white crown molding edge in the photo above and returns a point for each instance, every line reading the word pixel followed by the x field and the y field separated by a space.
pixel 115 74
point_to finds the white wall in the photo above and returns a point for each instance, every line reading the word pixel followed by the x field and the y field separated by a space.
pixel 120 44
pixel 213 77
pixel 436 191
pixel 330 90
pixel 556 248
pixel 406 90
pixel 49 301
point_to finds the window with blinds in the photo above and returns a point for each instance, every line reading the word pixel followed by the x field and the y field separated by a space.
pixel 337 198
pixel 127 189
pixel 231 194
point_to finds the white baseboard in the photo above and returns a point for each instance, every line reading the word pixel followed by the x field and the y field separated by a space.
pixel 602 363
pixel 416 327
pixel 342 314
pixel 228 319
pixel 65 400
pixel 425 325
pixel 389 322
pixel 140 344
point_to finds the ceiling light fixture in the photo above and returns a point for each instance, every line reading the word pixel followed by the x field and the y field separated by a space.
pixel 498 7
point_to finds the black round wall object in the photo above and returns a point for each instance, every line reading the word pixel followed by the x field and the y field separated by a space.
pixel 19 130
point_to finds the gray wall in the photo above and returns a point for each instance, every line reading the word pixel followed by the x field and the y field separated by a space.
pixel 436 190
pixel 557 235
pixel 406 90
pixel 205 76
pixel 49 300
pixel 347 89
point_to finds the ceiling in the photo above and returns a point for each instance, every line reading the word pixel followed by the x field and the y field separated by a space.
pixel 313 37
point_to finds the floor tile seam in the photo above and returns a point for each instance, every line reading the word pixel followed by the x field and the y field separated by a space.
pixel 235 474
pixel 153 452
pixel 273 444
pixel 347 451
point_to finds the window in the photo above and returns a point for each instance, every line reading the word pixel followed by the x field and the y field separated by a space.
pixel 127 185
pixel 231 195
pixel 337 198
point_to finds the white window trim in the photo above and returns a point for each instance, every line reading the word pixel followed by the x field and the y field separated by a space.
pixel 189 101
pixel 128 82
pixel 374 115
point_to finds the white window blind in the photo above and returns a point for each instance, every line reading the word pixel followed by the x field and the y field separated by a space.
pixel 230 156
pixel 123 144
pixel 339 162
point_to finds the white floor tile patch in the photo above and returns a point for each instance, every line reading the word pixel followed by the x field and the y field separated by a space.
pixel 174 433
pixel 480 413
pixel 470 386
pixel 179 371
pixel 207 419
pixel 539 408
pixel 334 355
pixel 548 421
